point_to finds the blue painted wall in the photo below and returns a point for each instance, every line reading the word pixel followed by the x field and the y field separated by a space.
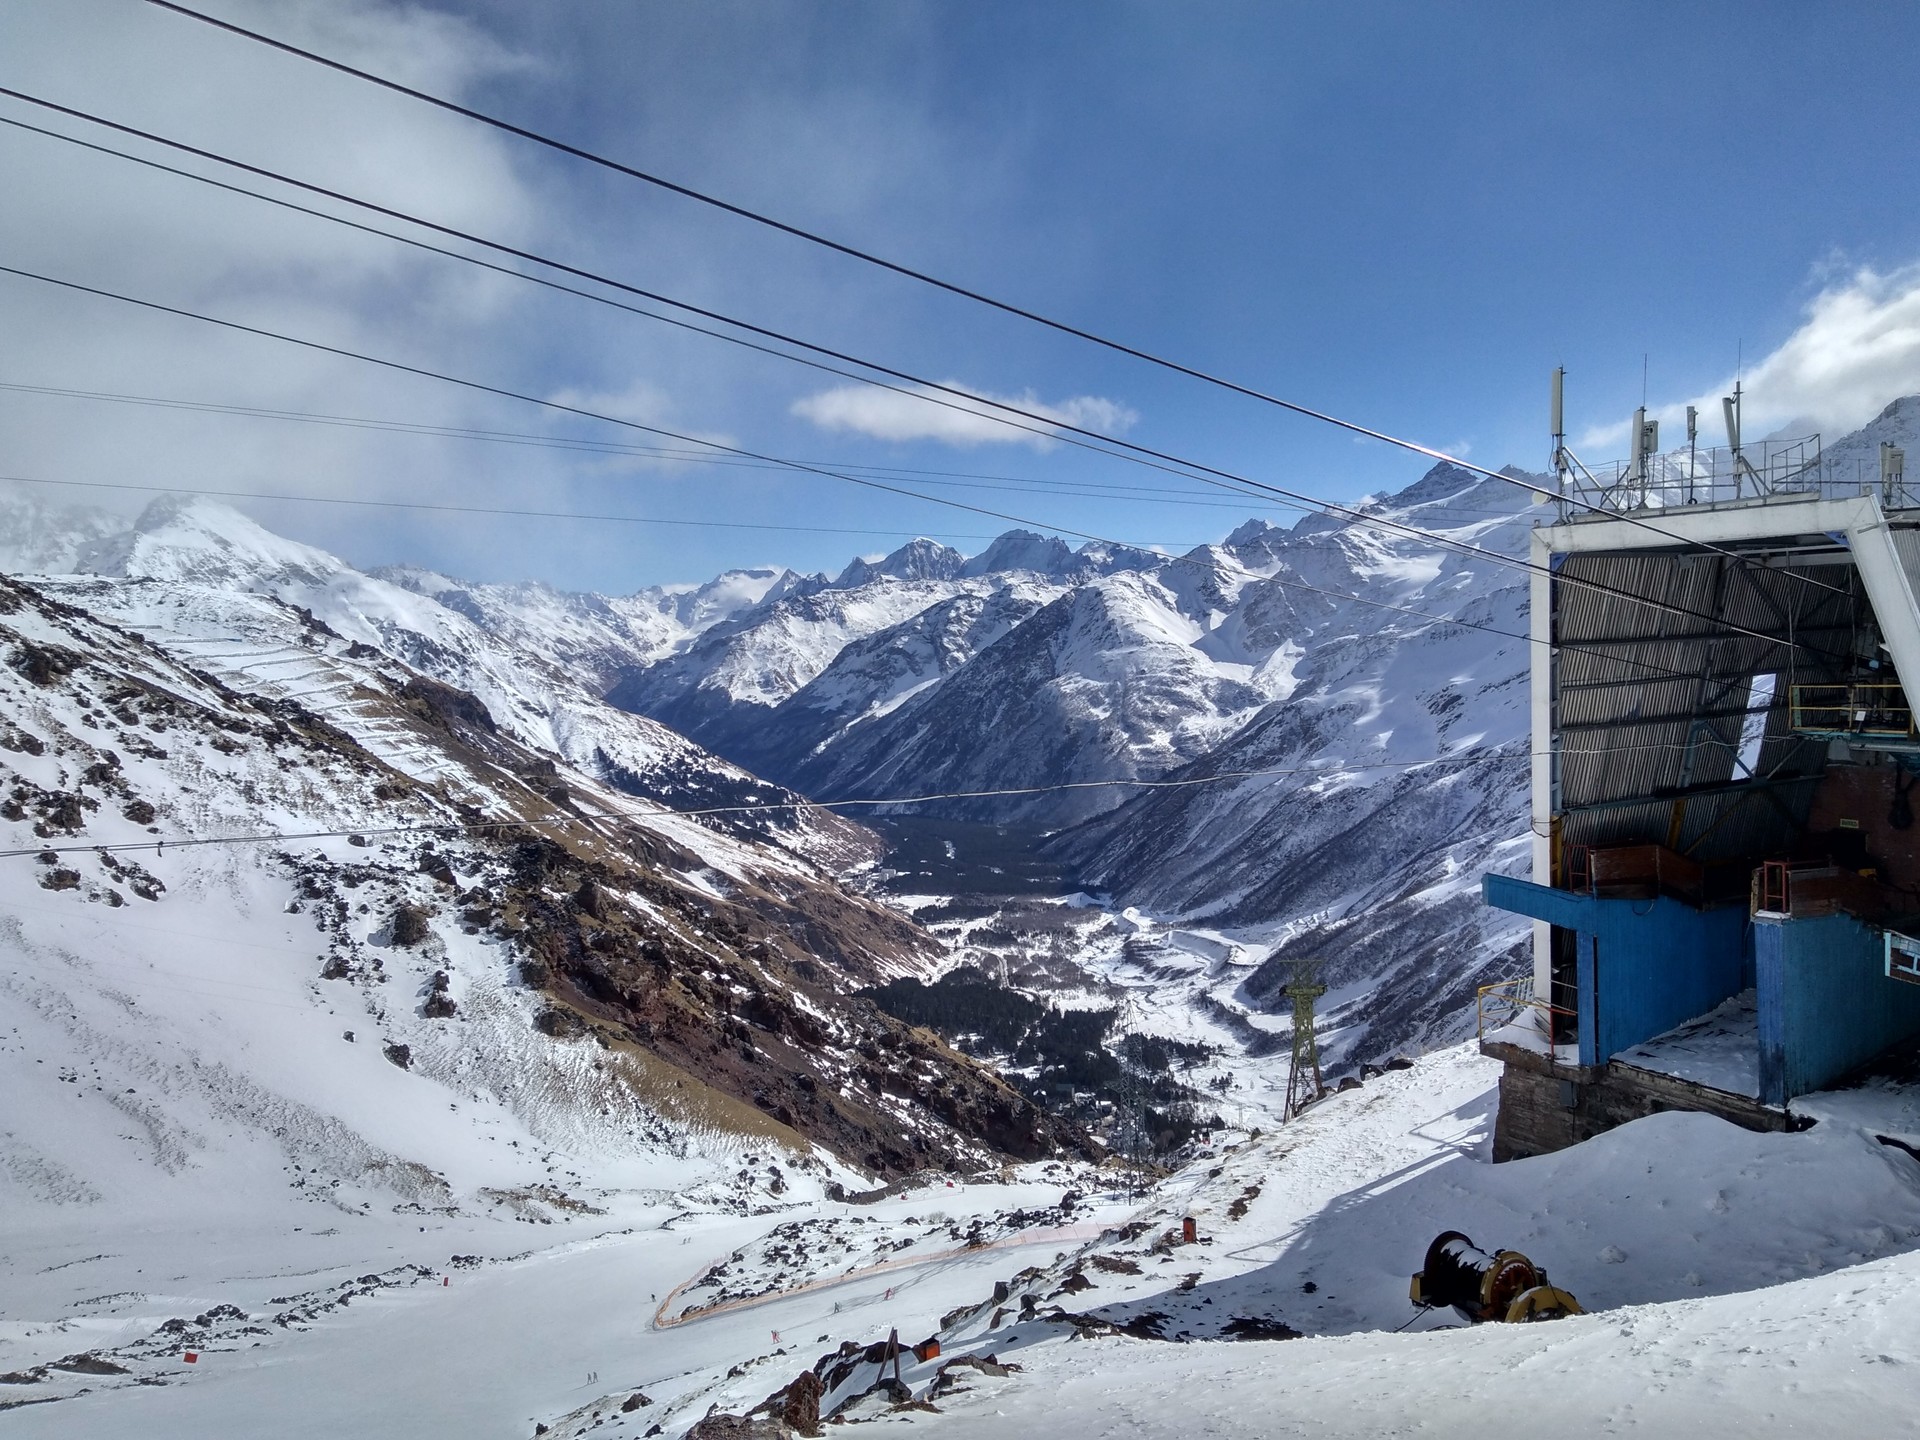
pixel 1826 1004
pixel 1645 965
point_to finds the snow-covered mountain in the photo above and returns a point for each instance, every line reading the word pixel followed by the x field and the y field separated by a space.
pixel 39 537
pixel 599 636
pixel 1340 710
pixel 1029 666
pixel 1857 456
pixel 442 979
pixel 492 917
pixel 1103 682
pixel 493 897
pixel 531 655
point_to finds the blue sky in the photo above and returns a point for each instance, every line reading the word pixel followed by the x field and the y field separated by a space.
pixel 1405 214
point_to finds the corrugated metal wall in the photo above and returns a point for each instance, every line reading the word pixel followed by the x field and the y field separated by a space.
pixel 1649 701
pixel 1825 1003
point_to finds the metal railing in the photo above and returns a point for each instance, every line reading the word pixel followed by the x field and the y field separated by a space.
pixel 1871 708
pixel 1506 1001
pixel 1702 477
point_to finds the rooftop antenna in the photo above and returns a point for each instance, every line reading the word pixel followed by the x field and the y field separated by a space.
pixel 1693 433
pixel 1560 436
pixel 1646 443
pixel 1304 1085
pixel 1730 408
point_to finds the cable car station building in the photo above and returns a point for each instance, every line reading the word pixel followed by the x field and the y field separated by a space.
pixel 1726 864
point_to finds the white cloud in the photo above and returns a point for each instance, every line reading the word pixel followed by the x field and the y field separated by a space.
pixel 1858 348
pixel 957 420
pixel 102 221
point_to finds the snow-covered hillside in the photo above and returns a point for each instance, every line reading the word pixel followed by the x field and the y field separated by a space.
pixel 1737 1284
pixel 200 571
pixel 490 934
pixel 1401 779
pixel 1030 666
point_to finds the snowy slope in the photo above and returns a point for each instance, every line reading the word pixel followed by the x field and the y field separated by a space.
pixel 1703 1250
pixel 532 663
pixel 589 990
pixel 597 636
pixel 720 688
pixel 878 673
pixel 1105 683
pixel 738 688
pixel 1858 455
pixel 1387 779
pixel 1395 735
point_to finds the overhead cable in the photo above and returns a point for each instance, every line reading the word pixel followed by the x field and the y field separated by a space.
pixel 1478 757
pixel 1491 754
pixel 476 509
pixel 896 267
pixel 963 400
pixel 1212 562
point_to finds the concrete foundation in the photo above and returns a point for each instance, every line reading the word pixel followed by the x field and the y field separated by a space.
pixel 1546 1107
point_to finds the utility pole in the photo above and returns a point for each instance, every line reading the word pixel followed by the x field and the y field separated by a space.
pixel 1304 1085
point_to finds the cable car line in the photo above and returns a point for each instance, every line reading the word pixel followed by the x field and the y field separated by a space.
pixel 485 388
pixel 1037 424
pixel 1479 755
pixel 896 267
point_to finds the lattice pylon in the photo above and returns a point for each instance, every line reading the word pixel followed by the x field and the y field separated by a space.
pixel 1304 1085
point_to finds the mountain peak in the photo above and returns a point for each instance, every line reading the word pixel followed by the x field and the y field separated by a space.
pixel 1442 482
pixel 1252 534
pixel 918 559
pixel 1022 550
pixel 194 538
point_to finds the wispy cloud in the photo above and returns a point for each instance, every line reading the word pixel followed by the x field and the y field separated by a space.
pixel 1858 348
pixel 957 420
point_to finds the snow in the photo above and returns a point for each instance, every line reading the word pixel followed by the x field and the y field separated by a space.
pixel 210 582
pixel 1833 1356
pixel 1738 1284
pixel 1720 1049
pixel 489 1239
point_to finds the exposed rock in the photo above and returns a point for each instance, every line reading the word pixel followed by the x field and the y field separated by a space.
pixel 89 1364
pixel 738 1427
pixel 798 1405
pixel 1259 1327
pixel 44 664
pixel 409 925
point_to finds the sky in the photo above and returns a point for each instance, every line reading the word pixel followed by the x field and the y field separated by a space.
pixel 1402 214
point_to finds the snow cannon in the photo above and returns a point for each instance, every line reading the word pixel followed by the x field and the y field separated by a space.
pixel 1505 1285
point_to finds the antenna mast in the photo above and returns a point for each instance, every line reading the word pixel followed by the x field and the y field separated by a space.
pixel 1693 433
pixel 1730 407
pixel 1560 477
